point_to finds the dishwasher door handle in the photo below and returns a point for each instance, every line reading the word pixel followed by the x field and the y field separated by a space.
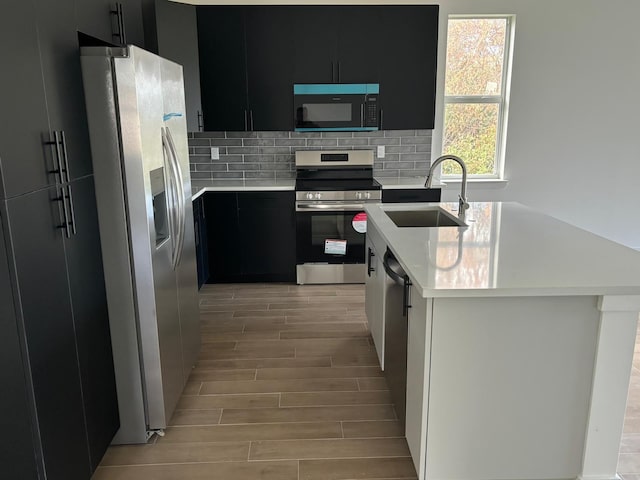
pixel 389 262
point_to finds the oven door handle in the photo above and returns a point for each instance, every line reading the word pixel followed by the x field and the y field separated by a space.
pixel 301 207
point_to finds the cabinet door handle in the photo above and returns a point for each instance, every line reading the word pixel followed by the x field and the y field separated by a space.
pixel 200 121
pixel 369 267
pixel 119 13
pixel 381 117
pixel 406 300
pixel 62 197
pixel 338 72
pixel 72 214
pixel 246 122
pixel 362 114
pixel 251 120
pixel 57 156
pixel 65 156
pixel 333 77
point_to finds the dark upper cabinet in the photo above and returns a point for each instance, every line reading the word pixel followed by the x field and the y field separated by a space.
pixel 269 48
pixel 359 44
pixel 408 66
pixel 177 39
pixel 17 447
pixel 245 67
pixel 316 44
pixel 113 22
pixel 42 283
pixel 132 19
pixel 337 44
pixel 26 162
pixel 95 18
pixel 251 56
pixel 62 75
pixel 223 71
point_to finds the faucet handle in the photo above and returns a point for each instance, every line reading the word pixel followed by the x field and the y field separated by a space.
pixel 463 204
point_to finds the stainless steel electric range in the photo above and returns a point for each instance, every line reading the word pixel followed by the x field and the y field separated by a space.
pixel 332 188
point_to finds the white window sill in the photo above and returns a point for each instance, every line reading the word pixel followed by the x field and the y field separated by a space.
pixel 478 182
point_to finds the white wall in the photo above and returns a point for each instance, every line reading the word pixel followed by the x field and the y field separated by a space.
pixel 573 140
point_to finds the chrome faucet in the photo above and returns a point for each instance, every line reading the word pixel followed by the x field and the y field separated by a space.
pixel 462 198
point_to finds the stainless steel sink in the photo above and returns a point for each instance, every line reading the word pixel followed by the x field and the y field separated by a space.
pixel 432 217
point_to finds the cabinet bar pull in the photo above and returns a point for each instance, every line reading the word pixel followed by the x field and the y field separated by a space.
pixel 65 212
pixel 362 114
pixel 65 156
pixel 57 157
pixel 406 301
pixel 338 72
pixel 200 121
pixel 251 120
pixel 72 215
pixel 333 78
pixel 246 122
pixel 381 117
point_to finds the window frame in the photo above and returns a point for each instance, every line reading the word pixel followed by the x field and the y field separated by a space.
pixel 501 100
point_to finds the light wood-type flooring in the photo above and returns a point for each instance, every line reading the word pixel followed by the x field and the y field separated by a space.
pixel 288 387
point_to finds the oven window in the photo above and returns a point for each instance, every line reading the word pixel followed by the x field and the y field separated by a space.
pixel 321 238
pixel 326 112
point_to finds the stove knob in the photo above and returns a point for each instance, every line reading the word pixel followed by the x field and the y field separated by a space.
pixel 367 195
pixel 359 195
pixel 318 195
pixel 309 196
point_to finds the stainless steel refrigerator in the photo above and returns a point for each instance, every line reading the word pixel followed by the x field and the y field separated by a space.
pixel 136 111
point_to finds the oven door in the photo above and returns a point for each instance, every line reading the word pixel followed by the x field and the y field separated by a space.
pixel 330 233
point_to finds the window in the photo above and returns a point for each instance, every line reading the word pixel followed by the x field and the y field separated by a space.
pixel 477 93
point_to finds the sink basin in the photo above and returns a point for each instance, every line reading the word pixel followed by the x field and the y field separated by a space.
pixel 433 217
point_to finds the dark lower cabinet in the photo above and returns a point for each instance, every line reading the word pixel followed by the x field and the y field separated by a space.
pixel 267 236
pixel 18 448
pixel 251 236
pixel 62 323
pixel 91 321
pixel 202 249
pixel 410 195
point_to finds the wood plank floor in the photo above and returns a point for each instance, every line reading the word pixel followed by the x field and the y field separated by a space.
pixel 287 387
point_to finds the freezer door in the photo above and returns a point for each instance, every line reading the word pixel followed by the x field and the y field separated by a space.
pixel 186 271
pixel 146 163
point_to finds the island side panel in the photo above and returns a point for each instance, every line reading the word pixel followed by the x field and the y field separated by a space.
pixel 418 360
pixel 614 359
pixel 510 386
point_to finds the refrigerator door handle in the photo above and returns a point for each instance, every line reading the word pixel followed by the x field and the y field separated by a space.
pixel 181 200
pixel 172 191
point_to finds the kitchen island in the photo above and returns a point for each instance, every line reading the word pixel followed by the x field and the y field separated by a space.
pixel 521 335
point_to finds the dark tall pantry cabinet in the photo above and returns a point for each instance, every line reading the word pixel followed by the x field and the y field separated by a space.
pixel 56 365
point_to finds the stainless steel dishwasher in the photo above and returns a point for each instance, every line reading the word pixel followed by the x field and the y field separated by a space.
pixel 397 304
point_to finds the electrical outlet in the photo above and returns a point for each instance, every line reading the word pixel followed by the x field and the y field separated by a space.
pixel 380 151
pixel 215 153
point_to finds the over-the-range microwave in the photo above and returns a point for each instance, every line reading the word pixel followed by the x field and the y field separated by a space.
pixel 336 107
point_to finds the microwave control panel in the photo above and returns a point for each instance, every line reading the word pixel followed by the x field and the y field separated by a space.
pixel 371 111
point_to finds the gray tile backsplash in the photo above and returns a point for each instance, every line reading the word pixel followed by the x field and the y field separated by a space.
pixel 270 155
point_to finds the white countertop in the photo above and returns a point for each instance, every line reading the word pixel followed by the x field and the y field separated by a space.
pixel 198 187
pixel 507 250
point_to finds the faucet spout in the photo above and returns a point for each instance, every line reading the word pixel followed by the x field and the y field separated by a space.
pixel 462 198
